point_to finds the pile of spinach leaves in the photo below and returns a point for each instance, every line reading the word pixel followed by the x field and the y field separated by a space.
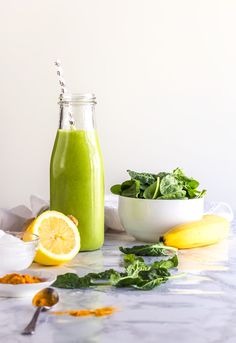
pixel 136 274
pixel 175 185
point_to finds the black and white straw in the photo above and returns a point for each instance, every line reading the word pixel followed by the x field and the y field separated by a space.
pixel 60 76
pixel 63 88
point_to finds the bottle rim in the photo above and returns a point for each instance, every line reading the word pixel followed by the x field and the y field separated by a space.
pixel 80 98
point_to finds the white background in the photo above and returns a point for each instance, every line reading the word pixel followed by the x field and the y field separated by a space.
pixel 164 73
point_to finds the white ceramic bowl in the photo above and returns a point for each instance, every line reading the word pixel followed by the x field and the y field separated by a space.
pixel 30 289
pixel 147 220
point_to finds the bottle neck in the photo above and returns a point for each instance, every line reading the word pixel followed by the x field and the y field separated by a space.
pixel 77 116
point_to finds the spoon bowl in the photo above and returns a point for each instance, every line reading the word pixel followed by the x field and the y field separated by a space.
pixel 47 297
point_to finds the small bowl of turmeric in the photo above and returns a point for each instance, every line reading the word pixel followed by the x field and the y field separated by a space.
pixel 25 283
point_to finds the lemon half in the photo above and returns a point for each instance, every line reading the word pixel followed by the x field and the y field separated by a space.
pixel 59 238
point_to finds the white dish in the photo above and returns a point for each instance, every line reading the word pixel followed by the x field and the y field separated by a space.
pixel 15 253
pixel 23 290
pixel 147 220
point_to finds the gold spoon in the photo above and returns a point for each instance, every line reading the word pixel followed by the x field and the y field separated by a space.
pixel 43 300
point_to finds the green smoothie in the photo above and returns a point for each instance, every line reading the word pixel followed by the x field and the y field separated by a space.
pixel 77 185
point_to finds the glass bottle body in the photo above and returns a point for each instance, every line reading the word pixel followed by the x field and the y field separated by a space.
pixel 76 170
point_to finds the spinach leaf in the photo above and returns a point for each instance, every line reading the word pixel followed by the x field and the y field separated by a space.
pixel 124 281
pixel 143 178
pixel 116 189
pixel 71 280
pixel 102 275
pixel 142 276
pixel 147 285
pixel 169 185
pixel 153 274
pixel 136 267
pixel 202 193
pixel 162 174
pixel 158 249
pixel 145 277
pixel 167 264
pixel 131 259
pixel 152 278
pixel 135 282
pixel 178 172
pixel 130 188
pixel 192 193
pixel 190 185
pixel 133 263
pixel 151 191
pixel 68 280
pixel 180 175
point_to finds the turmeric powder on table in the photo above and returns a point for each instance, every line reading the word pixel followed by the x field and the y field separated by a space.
pixel 99 312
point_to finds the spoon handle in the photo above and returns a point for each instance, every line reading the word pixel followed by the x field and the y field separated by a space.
pixel 30 328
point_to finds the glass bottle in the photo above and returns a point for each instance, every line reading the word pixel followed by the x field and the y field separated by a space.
pixel 76 169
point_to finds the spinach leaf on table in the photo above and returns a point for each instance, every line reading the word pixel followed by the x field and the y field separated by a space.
pixel 147 285
pixel 71 280
pixel 152 278
pixel 138 261
pixel 136 267
pixel 142 276
pixel 68 280
pixel 131 259
pixel 167 264
pixel 158 249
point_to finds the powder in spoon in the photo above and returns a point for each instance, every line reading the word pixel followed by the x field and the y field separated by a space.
pixel 99 312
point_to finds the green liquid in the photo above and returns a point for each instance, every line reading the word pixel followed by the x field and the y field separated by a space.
pixel 77 185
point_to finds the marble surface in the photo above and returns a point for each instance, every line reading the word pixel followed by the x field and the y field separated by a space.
pixel 198 308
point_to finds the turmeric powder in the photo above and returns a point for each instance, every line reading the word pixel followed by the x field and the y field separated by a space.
pixel 16 279
pixel 99 312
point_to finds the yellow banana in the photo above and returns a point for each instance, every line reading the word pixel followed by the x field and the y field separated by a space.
pixel 211 229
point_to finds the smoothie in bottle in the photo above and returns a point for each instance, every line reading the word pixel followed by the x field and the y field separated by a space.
pixel 76 169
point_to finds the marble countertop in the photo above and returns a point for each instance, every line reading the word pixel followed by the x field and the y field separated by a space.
pixel 198 308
